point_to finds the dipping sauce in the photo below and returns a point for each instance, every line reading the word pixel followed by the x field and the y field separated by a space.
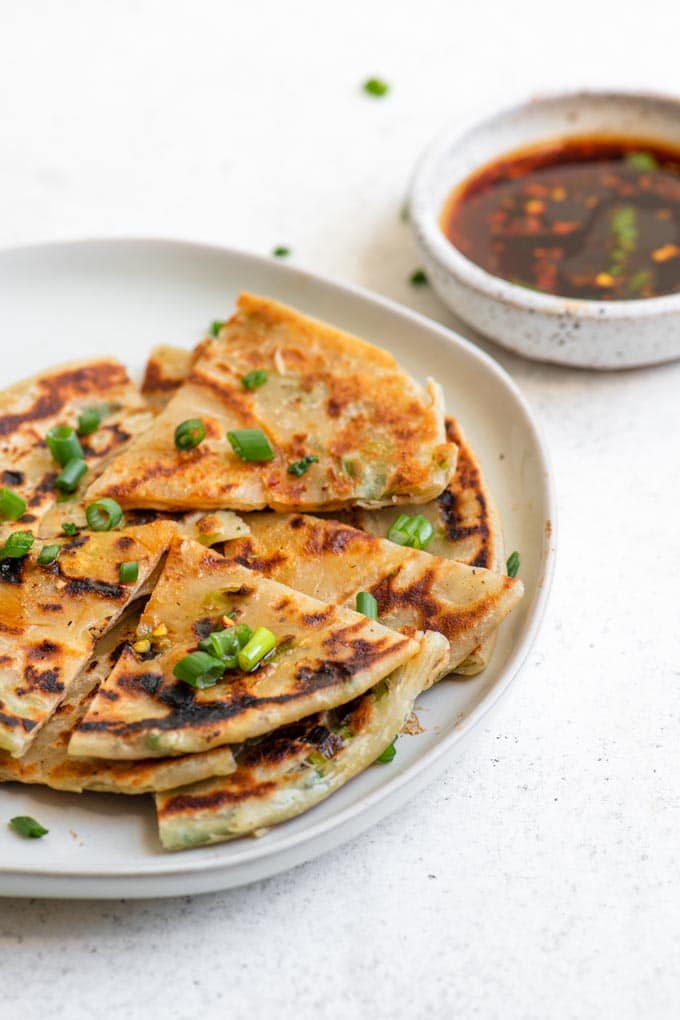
pixel 595 218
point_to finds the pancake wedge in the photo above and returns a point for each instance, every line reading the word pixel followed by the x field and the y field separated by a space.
pixel 375 436
pixel 51 616
pixel 291 770
pixel 325 656
pixel 166 370
pixel 47 761
pixel 414 590
pixel 29 409
pixel 466 525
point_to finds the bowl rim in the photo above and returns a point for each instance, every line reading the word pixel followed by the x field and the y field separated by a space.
pixel 424 217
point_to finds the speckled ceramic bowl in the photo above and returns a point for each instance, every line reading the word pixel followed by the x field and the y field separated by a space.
pixel 594 334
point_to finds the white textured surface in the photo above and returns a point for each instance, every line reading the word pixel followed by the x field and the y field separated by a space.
pixel 541 876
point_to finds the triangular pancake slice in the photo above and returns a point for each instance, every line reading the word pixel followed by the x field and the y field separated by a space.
pixel 466 524
pixel 375 436
pixel 414 590
pixel 51 616
pixel 47 761
pixel 325 656
pixel 29 409
pixel 288 772
pixel 166 370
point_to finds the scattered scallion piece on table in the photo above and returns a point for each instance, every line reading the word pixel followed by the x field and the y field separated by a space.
pixel 415 531
pixel 27 827
pixel 260 644
pixel 281 252
pixel 388 754
pixel 103 515
pixel 129 571
pixel 376 87
pixel 189 434
pixel 367 605
pixel 512 565
pixel 12 507
pixel 17 545
pixel 63 444
pixel 89 421
pixel 254 379
pixel 48 554
pixel 417 278
pixel 71 475
pixel 299 467
pixel 199 669
pixel 251 445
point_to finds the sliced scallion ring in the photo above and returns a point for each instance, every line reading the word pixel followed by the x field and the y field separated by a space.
pixel 17 545
pixel 260 644
pixel 199 669
pixel 129 571
pixel 103 515
pixel 367 605
pixel 189 434
pixel 89 421
pixel 48 554
pixel 63 444
pixel 251 445
pixel 69 478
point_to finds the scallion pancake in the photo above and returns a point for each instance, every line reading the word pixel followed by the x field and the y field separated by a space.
pixel 325 656
pixel 289 771
pixel 374 436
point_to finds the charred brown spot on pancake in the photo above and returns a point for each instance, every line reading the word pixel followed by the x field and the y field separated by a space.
pixel 58 389
pixel 5 660
pixel 241 592
pixel 124 542
pixel 45 485
pixel 326 673
pixel 155 380
pixel 12 570
pixel 229 396
pixel 203 627
pixel 219 798
pixel 45 680
pixel 28 519
pixel 50 607
pixel 297 522
pixel 455 532
pixel 89 586
pixel 334 407
pixel 12 478
pixel 77 542
pixel 248 557
pixel 134 682
pixel 334 538
pixel 45 650
pixel 13 721
pixel 318 618
pixel 106 692
pixel 282 604
pixel 109 438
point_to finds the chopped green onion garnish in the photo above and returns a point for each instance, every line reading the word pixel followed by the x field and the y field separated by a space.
pixel 68 480
pixel 89 421
pixel 69 528
pixel 413 531
pixel 63 444
pixel 376 87
pixel 281 252
pixel 189 434
pixel 367 605
pixel 129 571
pixel 199 669
pixel 17 545
pixel 512 565
pixel 404 213
pixel 103 515
pixel 259 645
pixel 223 644
pixel 27 827
pixel 48 554
pixel 216 327
pixel 388 754
pixel 253 380
pixel 12 507
pixel 251 445
pixel 299 467
pixel 243 634
pixel 641 161
pixel 417 278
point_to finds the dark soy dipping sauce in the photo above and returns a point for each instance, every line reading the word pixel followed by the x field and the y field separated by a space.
pixel 595 218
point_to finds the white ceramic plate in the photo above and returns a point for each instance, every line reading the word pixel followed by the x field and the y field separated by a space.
pixel 67 301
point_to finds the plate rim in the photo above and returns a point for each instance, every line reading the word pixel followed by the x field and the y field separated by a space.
pixel 166 868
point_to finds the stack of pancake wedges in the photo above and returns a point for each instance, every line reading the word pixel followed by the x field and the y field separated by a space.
pixel 324 500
